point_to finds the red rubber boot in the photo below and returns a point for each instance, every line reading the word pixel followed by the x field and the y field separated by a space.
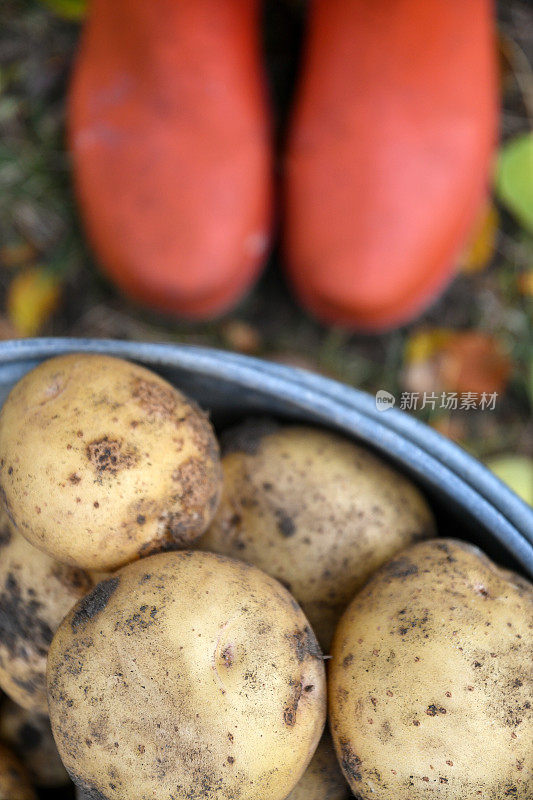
pixel 389 154
pixel 169 133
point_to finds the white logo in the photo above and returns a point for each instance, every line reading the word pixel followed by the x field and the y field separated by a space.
pixel 384 400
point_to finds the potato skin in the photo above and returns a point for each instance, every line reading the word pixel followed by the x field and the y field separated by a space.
pixel 35 594
pixel 314 510
pixel 323 779
pixel 186 675
pixel 29 735
pixel 430 679
pixel 14 781
pixel 102 461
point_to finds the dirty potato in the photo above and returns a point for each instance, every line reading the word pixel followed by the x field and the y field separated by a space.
pixel 102 461
pixel 14 781
pixel 430 681
pixel 323 779
pixel 314 510
pixel 186 674
pixel 29 735
pixel 35 594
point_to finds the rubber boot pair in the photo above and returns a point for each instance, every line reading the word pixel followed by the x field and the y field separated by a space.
pixel 387 161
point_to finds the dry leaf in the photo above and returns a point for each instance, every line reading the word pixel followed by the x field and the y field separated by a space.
pixel 423 344
pixel 33 296
pixel 422 353
pixel 241 336
pixel 446 361
pixel 7 329
pixel 475 362
pixel 482 244
pixel 525 283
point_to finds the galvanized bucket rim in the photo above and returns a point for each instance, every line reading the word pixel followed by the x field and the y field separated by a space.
pixel 394 432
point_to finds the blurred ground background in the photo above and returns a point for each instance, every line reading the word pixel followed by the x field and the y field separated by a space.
pixel 479 336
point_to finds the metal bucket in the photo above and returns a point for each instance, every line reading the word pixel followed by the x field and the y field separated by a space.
pixel 469 501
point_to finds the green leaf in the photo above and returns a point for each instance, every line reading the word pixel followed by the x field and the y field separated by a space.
pixel 514 178
pixel 516 472
pixel 68 9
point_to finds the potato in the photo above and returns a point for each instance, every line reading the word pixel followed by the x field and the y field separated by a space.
pixel 186 675
pixel 314 510
pixel 14 781
pixel 35 594
pixel 323 779
pixel 102 461
pixel 29 735
pixel 430 680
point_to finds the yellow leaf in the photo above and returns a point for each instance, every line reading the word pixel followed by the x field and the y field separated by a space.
pixel 482 244
pixel 33 296
pixel 423 344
